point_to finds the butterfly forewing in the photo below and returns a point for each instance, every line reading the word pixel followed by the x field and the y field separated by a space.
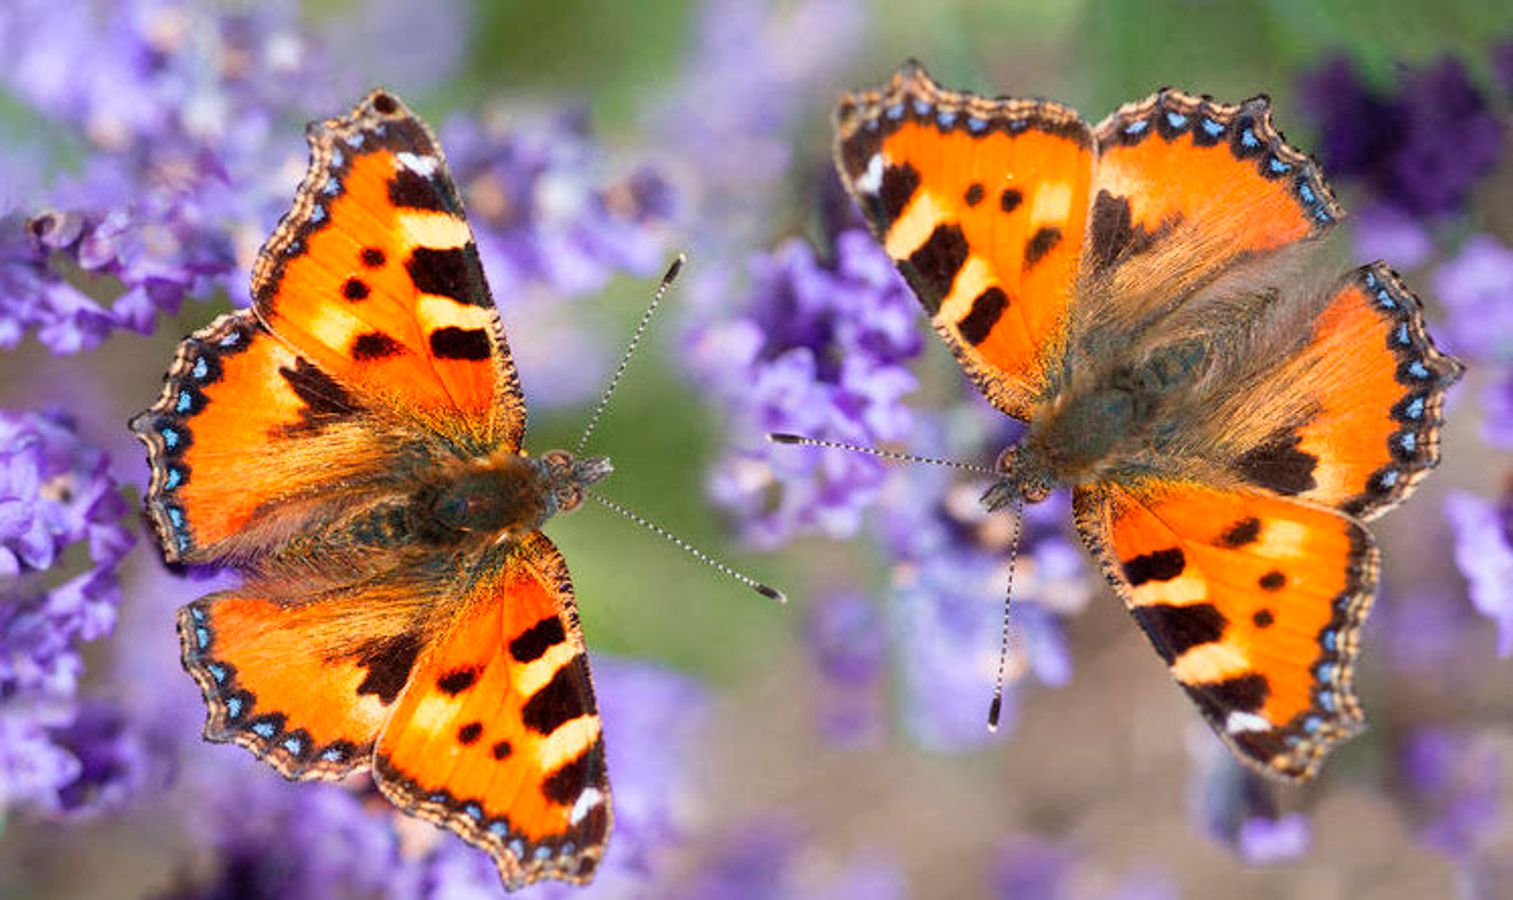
pixel 982 204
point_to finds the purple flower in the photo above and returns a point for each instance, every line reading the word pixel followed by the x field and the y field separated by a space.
pixel 1502 66
pixel 275 839
pixel 1239 807
pixel 945 600
pixel 556 217
pixel 1422 148
pixel 56 497
pixel 1476 286
pixel 848 645
pixel 820 349
pixel 1027 866
pixel 1455 789
pixel 1384 231
pixel 1484 552
pixel 771 859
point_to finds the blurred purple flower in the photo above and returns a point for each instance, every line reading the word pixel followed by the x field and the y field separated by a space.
pixel 1484 552
pixel 1239 807
pixel 56 498
pixel 1502 66
pixel 1055 870
pixel 945 602
pixel 1455 789
pixel 771 859
pixel 555 217
pixel 848 645
pixel 1384 231
pixel 1476 287
pixel 275 839
pixel 1421 149
pixel 756 67
pixel 820 349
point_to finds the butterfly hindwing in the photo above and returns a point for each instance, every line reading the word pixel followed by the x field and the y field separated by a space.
pixel 982 204
pixel 305 685
pixel 1254 602
pixel 1185 186
pixel 375 277
pixel 497 736
pixel 242 422
pixel 1369 386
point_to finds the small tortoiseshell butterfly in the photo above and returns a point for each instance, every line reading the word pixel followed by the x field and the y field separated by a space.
pixel 1225 426
pixel 352 444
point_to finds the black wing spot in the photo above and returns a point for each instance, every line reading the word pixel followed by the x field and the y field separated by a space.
pixel 388 662
pixel 898 187
pixel 1174 630
pixel 325 401
pixel 1009 200
pixel 974 194
pixel 384 104
pixel 1162 565
pixel 1044 241
pixel 375 345
pixel 1272 581
pixel 1242 533
pixel 469 734
pixel 1279 465
pixel 457 681
pixel 355 289
pixel 452 342
pixel 560 700
pixel 373 257
pixel 411 190
pixel 453 273
pixel 987 308
pixel 564 786
pixel 533 643
pixel 931 269
pixel 1263 618
pixel 1247 693
pixel 501 750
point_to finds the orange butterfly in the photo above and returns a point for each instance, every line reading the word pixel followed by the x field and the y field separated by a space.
pixel 352 444
pixel 1225 424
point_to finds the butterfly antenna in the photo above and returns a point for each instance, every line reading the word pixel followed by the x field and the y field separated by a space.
pixel 630 350
pixel 778 437
pixel 996 709
pixel 765 590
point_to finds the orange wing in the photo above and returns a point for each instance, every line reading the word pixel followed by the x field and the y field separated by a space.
pixel 983 205
pixel 1369 386
pixel 242 423
pixel 304 686
pixel 1201 184
pixel 497 736
pixel 374 276
pixel 1254 602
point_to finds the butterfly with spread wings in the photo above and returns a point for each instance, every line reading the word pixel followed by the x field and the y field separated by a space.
pixel 1226 424
pixel 352 445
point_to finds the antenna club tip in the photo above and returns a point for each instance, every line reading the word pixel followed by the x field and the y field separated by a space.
pixel 781 437
pixel 994 712
pixel 771 593
pixel 677 266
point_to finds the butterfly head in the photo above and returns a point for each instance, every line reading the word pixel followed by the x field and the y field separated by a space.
pixel 567 475
pixel 1024 478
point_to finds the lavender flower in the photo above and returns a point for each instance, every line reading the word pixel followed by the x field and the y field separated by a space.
pixel 945 602
pixel 820 349
pixel 1477 288
pixel 848 644
pixel 1455 789
pixel 770 859
pixel 275 839
pixel 1484 552
pixel 1422 149
pixel 1028 866
pixel 1240 808
pixel 56 495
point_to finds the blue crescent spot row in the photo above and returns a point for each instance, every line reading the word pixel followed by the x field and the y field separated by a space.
pixel 1210 126
pixel 294 751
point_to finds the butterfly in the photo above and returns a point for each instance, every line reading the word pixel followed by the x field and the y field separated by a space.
pixel 352 445
pixel 1135 293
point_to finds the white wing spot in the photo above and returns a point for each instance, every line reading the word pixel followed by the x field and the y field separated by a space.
pixel 872 180
pixel 590 798
pixel 424 166
pixel 1239 721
